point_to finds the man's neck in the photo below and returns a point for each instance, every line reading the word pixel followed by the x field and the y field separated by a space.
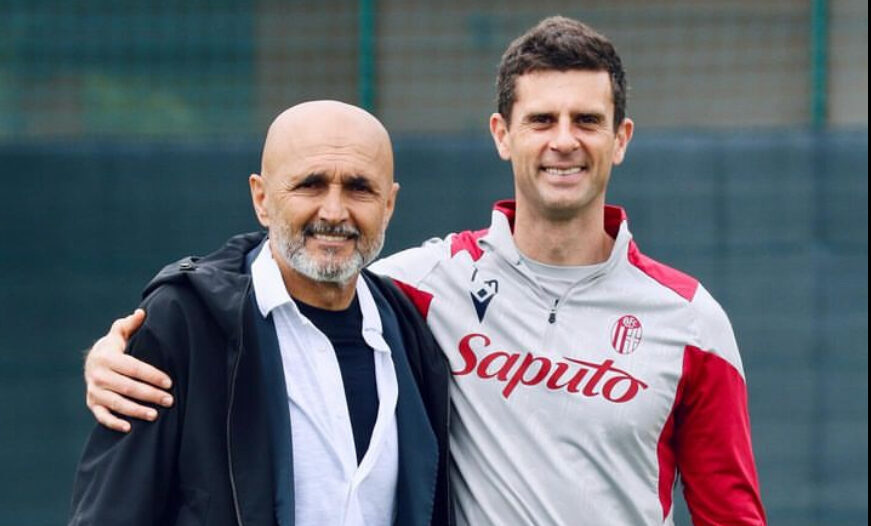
pixel 320 294
pixel 579 240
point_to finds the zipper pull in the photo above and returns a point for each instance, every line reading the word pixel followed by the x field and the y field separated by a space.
pixel 552 317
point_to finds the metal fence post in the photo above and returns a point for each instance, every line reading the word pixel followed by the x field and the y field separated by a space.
pixel 366 55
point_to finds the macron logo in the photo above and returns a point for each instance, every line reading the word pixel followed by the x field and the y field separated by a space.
pixel 482 293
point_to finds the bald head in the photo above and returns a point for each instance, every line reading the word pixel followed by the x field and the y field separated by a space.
pixel 325 192
pixel 326 127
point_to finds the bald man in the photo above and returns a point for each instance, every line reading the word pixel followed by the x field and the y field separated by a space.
pixel 294 396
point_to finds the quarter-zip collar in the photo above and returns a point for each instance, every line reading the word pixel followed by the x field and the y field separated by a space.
pixel 500 240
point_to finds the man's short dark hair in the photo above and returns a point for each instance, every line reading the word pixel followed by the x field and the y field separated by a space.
pixel 561 44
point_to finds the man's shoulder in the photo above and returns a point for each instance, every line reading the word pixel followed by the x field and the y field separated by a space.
pixel 171 306
pixel 390 295
pixel 709 321
pixel 194 289
pixel 669 278
pixel 176 296
pixel 412 265
pixel 708 318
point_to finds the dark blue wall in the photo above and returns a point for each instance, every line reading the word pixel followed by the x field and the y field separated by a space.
pixel 774 223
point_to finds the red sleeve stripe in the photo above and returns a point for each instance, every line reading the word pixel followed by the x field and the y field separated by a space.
pixel 420 298
pixel 707 440
pixel 685 286
pixel 665 452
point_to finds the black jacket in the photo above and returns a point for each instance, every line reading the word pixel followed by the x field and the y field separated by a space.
pixel 221 455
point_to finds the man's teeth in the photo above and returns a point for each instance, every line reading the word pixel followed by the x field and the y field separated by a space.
pixel 326 237
pixel 564 171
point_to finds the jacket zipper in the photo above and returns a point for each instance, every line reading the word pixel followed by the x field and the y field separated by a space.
pixel 552 317
pixel 229 418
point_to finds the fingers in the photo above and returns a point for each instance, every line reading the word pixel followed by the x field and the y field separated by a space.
pixel 125 327
pixel 139 370
pixel 105 418
pixel 113 378
pixel 118 405
pixel 107 356
pixel 119 375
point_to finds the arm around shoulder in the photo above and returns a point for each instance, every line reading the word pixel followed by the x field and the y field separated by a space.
pixel 124 478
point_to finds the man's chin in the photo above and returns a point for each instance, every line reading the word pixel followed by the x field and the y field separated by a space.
pixel 327 270
pixel 561 208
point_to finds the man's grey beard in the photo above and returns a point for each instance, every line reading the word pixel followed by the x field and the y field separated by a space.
pixel 332 270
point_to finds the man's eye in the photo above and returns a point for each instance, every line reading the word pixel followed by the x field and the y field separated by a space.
pixel 308 184
pixel 358 185
pixel 589 120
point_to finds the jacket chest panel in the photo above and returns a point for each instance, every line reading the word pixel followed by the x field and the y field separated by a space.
pixel 618 367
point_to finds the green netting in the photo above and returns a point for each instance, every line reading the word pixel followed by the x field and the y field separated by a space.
pixel 200 69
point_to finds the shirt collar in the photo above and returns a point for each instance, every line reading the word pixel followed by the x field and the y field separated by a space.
pixel 270 293
pixel 269 289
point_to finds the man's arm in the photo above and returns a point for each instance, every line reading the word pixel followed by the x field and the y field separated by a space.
pixel 712 443
pixel 127 479
pixel 113 378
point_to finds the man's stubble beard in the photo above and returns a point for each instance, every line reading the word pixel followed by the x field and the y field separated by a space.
pixel 292 248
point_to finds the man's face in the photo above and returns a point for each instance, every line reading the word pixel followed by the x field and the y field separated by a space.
pixel 328 200
pixel 561 141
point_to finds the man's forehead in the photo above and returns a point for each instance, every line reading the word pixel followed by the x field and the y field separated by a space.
pixel 331 153
pixel 336 160
pixel 546 87
pixel 336 141
pixel 327 132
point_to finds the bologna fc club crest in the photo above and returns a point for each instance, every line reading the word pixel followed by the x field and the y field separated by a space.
pixel 626 334
pixel 482 293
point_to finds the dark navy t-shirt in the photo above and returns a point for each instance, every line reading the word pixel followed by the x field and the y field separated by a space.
pixel 356 359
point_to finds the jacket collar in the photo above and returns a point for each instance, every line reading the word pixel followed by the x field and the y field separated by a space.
pixel 418 448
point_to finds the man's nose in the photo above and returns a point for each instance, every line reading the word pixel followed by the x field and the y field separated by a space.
pixel 333 208
pixel 564 140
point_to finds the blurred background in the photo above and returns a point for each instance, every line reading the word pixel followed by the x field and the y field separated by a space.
pixel 128 129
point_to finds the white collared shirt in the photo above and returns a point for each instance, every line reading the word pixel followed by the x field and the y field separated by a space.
pixel 330 488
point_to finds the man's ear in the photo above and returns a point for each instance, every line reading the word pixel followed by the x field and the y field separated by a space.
pixel 390 206
pixel 624 135
pixel 499 132
pixel 259 198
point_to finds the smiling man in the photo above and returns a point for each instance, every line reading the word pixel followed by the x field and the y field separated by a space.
pixel 585 376
pixel 294 398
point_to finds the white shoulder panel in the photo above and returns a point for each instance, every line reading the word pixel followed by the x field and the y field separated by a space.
pixel 715 330
pixel 412 265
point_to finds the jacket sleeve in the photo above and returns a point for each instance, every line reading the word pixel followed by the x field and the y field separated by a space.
pixel 712 441
pixel 125 479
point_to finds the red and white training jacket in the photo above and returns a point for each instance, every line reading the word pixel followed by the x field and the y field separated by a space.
pixel 582 411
